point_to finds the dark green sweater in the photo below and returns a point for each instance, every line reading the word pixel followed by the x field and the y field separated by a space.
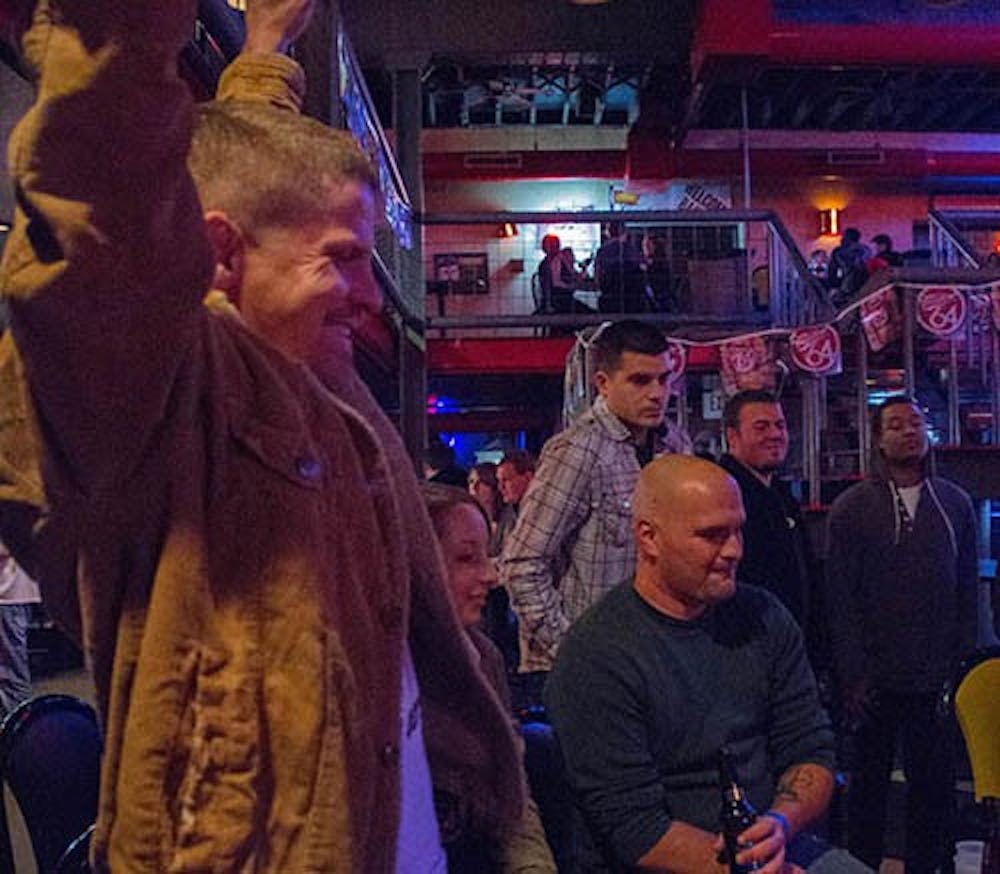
pixel 641 704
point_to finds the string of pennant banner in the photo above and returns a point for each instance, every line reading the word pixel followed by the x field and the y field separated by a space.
pixel 750 360
pixel 943 311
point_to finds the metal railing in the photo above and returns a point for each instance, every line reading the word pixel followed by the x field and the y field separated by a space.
pixel 721 269
pixel 948 246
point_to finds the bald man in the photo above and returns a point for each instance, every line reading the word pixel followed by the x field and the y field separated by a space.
pixel 669 667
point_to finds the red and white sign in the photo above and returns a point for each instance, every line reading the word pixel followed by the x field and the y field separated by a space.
pixel 676 361
pixel 816 350
pixel 941 310
pixel 747 362
pixel 880 318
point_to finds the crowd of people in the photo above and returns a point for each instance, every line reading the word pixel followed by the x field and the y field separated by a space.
pixel 628 276
pixel 847 268
pixel 285 627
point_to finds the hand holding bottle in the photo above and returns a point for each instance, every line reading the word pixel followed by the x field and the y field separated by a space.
pixel 764 844
pixel 751 843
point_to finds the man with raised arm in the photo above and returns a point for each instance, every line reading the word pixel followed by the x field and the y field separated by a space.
pixel 670 667
pixel 229 531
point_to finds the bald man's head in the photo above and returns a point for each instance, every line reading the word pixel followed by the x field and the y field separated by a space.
pixel 687 514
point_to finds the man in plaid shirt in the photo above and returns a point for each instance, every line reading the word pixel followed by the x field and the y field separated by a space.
pixel 573 537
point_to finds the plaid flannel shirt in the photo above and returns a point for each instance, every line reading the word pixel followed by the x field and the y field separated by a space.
pixel 573 538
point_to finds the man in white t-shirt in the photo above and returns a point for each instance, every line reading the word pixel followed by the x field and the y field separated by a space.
pixel 18 592
pixel 901 579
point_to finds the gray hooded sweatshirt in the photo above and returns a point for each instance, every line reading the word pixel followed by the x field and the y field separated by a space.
pixel 902 593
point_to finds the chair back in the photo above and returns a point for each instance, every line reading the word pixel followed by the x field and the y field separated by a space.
pixel 50 758
pixel 76 859
pixel 977 705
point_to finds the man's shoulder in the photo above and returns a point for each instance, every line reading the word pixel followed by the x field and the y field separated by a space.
pixel 606 623
pixel 947 489
pixel 738 471
pixel 754 601
pixel 855 496
pixel 585 436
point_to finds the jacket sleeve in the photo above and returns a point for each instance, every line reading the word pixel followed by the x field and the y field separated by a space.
pixel 967 578
pixel 108 261
pixel 525 851
pixel 843 590
pixel 273 79
pixel 556 504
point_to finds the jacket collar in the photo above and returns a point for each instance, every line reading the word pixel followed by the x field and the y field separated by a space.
pixel 615 427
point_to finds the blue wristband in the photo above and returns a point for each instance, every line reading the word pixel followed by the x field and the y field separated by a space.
pixel 781 819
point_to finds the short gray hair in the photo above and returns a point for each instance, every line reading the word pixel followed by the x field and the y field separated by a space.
pixel 268 167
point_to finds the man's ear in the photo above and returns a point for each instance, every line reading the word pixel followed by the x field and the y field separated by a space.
pixel 645 538
pixel 601 382
pixel 728 432
pixel 229 245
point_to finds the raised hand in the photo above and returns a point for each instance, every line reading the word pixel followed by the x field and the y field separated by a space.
pixel 273 25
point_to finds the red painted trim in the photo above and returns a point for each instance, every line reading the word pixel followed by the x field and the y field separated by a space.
pixel 747 29
pixel 730 27
pixel 498 355
pixel 542 355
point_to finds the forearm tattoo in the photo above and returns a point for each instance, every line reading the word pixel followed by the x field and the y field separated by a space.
pixel 795 783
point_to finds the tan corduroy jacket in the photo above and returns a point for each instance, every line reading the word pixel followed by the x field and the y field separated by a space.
pixel 223 532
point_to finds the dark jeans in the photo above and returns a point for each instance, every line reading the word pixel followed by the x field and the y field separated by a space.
pixel 816 856
pixel 926 738
pixel 15 678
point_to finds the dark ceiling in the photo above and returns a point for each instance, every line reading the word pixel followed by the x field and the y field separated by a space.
pixel 537 62
pixel 551 62
pixel 855 99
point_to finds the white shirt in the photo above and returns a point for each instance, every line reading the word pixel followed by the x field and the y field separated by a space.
pixel 911 497
pixel 16 587
pixel 418 846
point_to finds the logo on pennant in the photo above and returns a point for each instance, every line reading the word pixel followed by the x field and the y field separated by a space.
pixel 676 361
pixel 816 350
pixel 941 310
pixel 747 363
pixel 880 318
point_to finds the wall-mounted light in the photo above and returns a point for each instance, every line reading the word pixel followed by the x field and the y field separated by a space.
pixel 507 230
pixel 829 222
pixel 624 198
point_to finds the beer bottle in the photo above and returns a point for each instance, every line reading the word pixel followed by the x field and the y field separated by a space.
pixel 737 812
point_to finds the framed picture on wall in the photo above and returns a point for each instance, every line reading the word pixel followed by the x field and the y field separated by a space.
pixel 463 272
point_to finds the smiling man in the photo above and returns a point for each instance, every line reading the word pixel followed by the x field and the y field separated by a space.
pixel 572 542
pixel 776 552
pixel 669 667
pixel 221 530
